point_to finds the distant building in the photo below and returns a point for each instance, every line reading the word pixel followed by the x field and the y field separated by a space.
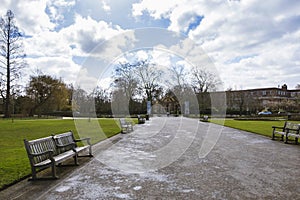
pixel 238 102
pixel 254 100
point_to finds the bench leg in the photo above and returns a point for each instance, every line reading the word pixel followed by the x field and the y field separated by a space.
pixel 296 140
pixel 53 174
pixel 53 168
pixel 286 139
pixel 282 136
pixel 90 151
pixel 33 174
pixel 76 159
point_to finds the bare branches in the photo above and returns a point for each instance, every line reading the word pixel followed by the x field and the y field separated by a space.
pixel 204 80
pixel 149 77
pixel 11 51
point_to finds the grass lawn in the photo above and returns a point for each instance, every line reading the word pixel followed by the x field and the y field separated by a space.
pixel 14 163
pixel 254 126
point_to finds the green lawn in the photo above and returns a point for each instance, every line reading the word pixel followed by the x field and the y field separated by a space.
pixel 254 126
pixel 14 164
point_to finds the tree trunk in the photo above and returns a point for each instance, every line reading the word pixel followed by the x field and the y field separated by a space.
pixel 7 100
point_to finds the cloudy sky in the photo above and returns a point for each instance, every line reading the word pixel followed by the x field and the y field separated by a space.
pixel 251 43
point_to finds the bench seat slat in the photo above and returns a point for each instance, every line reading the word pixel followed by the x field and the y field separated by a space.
pixel 58 159
pixel 294 135
pixel 63 156
pixel 280 132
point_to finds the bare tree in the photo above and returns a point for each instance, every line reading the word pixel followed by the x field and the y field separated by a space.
pixel 182 89
pixel 204 80
pixel 149 77
pixel 125 79
pixel 11 58
pixel 178 76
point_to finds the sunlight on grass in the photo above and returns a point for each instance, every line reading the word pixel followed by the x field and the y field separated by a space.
pixel 14 163
pixel 255 126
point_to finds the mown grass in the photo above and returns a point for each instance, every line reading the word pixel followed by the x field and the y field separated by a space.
pixel 14 164
pixel 254 126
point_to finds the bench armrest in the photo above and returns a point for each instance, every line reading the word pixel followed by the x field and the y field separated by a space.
pixel 281 127
pixel 277 127
pixel 83 139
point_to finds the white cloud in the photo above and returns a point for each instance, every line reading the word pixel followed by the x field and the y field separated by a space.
pixel 57 8
pixel 253 38
pixel 85 81
pixel 47 44
pixel 142 55
pixel 105 83
pixel 30 16
pixel 105 6
pixel 58 67
pixel 157 9
pixel 87 34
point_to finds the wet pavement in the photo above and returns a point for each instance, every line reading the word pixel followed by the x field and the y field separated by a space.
pixel 176 158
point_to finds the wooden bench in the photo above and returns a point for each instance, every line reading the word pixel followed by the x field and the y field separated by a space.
pixel 52 151
pixel 66 141
pixel 288 130
pixel 293 132
pixel 141 120
pixel 204 118
pixel 125 125
pixel 43 153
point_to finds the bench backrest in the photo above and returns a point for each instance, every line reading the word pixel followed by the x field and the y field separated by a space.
pixel 290 125
pixel 40 146
pixel 65 139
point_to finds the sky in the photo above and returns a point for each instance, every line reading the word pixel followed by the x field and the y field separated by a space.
pixel 248 43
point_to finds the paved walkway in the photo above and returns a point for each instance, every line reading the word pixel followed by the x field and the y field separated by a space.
pixel 176 158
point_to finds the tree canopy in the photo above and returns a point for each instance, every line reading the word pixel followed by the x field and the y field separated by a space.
pixel 47 94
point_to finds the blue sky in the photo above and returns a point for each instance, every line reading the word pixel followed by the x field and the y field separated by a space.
pixel 251 43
